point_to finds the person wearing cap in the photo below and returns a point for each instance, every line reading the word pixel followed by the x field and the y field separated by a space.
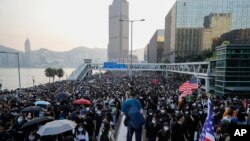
pixel 164 133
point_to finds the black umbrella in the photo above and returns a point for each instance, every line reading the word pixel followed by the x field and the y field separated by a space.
pixel 32 109
pixel 37 121
pixel 62 96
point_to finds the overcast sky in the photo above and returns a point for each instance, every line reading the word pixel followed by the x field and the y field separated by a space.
pixel 64 24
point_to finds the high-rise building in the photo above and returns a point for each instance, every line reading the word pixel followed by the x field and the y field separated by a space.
pixel 155 49
pixel 146 52
pixel 215 24
pixel 118 31
pixel 191 14
pixel 232 70
pixel 188 41
pixel 27 56
pixel 238 36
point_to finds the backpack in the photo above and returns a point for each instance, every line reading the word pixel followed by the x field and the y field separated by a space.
pixel 135 117
pixel 105 136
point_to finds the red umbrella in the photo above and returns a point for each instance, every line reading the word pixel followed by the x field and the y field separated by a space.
pixel 82 102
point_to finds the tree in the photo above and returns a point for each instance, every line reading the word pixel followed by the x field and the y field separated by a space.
pixel 48 72
pixel 53 73
pixel 213 57
pixel 224 43
pixel 60 73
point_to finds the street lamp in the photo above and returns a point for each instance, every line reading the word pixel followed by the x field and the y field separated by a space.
pixel 33 79
pixel 18 65
pixel 131 22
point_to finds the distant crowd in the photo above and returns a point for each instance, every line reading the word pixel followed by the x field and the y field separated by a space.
pixel 99 121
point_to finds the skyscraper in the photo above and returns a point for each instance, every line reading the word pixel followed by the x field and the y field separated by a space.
pixel 215 24
pixel 118 31
pixel 190 14
pixel 27 57
pixel 155 49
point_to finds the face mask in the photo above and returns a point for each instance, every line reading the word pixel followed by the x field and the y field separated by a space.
pixel 162 111
pixel 99 112
pixel 186 113
pixel 150 114
pixel 153 121
pixel 166 128
pixel 87 109
pixel 80 129
pixel 200 112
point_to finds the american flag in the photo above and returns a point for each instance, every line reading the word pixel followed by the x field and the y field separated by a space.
pixel 191 84
pixel 186 93
pixel 207 133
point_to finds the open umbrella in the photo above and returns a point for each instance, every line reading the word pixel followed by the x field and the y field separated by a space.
pixel 41 102
pixel 32 109
pixel 56 127
pixel 37 121
pixel 82 102
pixel 62 96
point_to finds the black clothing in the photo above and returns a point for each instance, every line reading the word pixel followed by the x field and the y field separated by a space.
pixel 163 135
pixel 178 132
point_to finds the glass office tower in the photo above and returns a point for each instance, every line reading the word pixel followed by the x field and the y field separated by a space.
pixel 207 18
pixel 232 70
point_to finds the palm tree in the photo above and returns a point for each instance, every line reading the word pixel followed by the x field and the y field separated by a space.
pixel 60 73
pixel 53 73
pixel 48 73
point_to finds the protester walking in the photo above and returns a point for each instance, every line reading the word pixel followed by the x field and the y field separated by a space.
pixel 134 117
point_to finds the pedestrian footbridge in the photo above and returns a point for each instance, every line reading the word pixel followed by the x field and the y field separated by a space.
pixel 202 70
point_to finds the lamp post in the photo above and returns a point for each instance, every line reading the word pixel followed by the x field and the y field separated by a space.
pixel 33 79
pixel 18 65
pixel 131 22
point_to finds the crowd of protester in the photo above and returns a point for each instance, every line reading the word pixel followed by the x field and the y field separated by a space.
pixel 165 118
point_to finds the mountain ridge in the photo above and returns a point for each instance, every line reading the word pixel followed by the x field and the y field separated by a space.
pixel 47 58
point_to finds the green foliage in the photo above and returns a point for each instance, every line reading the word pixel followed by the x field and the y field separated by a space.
pixel 224 43
pixel 60 73
pixel 51 72
pixel 212 58
pixel 48 72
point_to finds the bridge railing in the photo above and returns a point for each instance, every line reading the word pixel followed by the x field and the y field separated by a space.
pixel 201 69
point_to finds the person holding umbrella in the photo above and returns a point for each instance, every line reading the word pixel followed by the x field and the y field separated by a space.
pixel 81 134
